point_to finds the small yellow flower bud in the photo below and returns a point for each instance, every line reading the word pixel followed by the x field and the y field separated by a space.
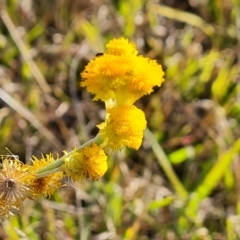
pixel 47 185
pixel 89 162
pixel 121 47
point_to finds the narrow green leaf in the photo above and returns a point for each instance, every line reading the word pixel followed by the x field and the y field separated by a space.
pixel 155 205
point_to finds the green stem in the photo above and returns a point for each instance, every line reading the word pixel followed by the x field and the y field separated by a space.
pixel 56 165
pixel 165 164
pixel 44 174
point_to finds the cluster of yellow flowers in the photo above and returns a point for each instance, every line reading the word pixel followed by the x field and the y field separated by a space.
pixel 118 77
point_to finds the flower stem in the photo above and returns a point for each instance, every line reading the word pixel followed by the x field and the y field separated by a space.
pixel 56 165
pixel 46 173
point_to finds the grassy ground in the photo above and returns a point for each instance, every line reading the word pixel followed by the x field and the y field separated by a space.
pixel 184 181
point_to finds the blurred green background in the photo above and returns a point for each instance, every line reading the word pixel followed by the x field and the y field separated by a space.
pixel 184 181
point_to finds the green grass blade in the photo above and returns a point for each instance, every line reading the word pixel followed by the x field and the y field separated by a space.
pixel 165 164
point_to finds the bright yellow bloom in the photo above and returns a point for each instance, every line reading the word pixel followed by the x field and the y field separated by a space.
pixel 121 75
pixel 45 186
pixel 145 75
pixel 89 162
pixel 15 185
pixel 105 74
pixel 124 126
pixel 121 47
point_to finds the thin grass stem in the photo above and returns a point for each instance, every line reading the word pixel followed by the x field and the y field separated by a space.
pixel 165 164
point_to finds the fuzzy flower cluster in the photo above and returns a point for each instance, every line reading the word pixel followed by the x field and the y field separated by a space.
pixel 118 77
pixel 42 177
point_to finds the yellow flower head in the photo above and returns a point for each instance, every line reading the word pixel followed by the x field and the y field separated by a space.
pixel 121 47
pixel 15 185
pixel 104 75
pixel 144 76
pixel 120 74
pixel 90 161
pixel 124 126
pixel 45 186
